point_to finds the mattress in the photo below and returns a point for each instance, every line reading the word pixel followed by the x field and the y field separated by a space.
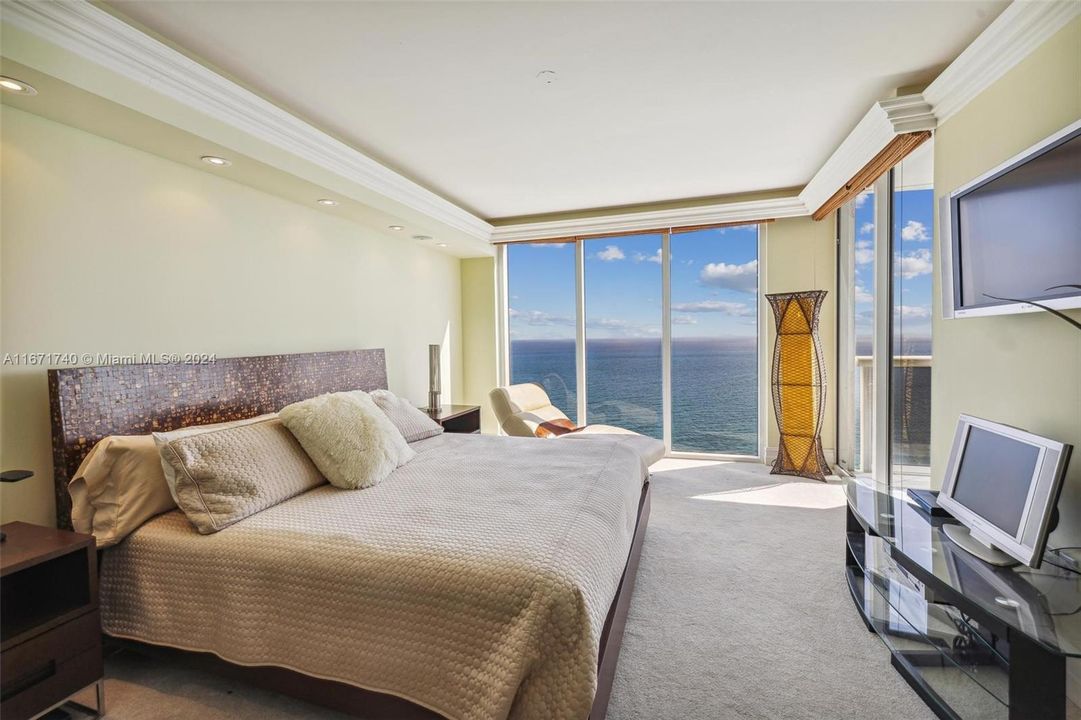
pixel 474 580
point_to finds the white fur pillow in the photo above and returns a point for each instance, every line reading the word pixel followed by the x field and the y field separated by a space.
pixel 348 438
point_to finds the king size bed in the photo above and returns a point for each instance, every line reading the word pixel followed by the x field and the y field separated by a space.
pixel 487 578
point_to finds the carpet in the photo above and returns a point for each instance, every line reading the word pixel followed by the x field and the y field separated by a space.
pixel 740 612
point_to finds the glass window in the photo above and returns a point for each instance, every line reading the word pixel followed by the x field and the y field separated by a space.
pixel 623 332
pixel 541 310
pixel 863 329
pixel 714 282
pixel 910 384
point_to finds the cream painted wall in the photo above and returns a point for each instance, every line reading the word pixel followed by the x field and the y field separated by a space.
pixel 1024 370
pixel 801 254
pixel 479 351
pixel 107 249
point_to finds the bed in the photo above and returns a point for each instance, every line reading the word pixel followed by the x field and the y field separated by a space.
pixel 488 578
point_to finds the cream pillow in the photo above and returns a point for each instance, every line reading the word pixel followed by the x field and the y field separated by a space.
pixel 224 474
pixel 348 437
pixel 118 487
pixel 162 438
pixel 412 423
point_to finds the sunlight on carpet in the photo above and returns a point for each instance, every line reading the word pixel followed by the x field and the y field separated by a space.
pixel 812 496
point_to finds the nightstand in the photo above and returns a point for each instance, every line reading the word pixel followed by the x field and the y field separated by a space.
pixel 457 418
pixel 50 625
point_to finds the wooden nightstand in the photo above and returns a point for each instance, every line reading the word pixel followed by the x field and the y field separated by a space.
pixel 457 418
pixel 50 625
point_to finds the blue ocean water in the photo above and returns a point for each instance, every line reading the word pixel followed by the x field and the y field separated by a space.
pixel 714 387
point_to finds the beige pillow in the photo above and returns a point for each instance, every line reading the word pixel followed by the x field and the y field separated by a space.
pixel 118 487
pixel 348 437
pixel 224 474
pixel 412 423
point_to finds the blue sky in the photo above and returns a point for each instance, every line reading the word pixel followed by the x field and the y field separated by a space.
pixel 714 286
pixel 714 278
pixel 912 220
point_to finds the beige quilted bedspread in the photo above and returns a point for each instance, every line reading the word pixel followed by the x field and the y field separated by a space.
pixel 474 580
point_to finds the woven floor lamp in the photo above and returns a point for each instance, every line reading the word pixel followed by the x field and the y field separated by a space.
pixel 799 384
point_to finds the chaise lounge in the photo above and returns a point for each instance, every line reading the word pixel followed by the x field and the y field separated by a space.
pixel 525 410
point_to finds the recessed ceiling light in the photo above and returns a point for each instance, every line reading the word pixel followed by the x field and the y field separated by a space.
pixel 215 161
pixel 441 244
pixel 18 87
pixel 422 237
pixel 327 202
pixel 395 227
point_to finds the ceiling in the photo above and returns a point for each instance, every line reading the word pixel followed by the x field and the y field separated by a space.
pixel 651 101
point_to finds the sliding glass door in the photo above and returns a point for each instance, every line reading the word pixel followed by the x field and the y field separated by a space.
pixel 541 319
pixel 884 285
pixel 714 315
pixel 654 332
pixel 623 332
pixel 910 385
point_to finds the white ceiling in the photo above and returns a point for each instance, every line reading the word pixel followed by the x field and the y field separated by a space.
pixel 652 101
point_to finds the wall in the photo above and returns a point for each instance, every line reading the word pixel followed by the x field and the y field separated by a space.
pixel 1024 370
pixel 480 355
pixel 801 254
pixel 107 249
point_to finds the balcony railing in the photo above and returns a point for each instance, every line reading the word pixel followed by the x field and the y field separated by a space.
pixel 915 412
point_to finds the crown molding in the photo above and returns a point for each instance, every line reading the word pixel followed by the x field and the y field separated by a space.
pixel 95 35
pixel 653 219
pixel 885 120
pixel 1015 33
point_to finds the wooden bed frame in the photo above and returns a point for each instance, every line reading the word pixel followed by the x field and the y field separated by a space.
pixel 90 403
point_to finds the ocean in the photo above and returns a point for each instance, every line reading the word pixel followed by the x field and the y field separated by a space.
pixel 714 391
pixel 714 387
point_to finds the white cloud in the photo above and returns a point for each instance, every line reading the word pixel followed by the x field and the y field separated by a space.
pixel 684 320
pixel 867 228
pixel 654 258
pixel 539 318
pixel 623 328
pixel 912 311
pixel 734 277
pixel 915 264
pixel 862 296
pixel 865 254
pixel 862 197
pixel 916 231
pixel 610 253
pixel 735 309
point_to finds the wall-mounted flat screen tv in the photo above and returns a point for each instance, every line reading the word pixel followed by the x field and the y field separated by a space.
pixel 1014 233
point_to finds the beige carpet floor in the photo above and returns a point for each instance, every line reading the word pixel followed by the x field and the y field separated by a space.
pixel 740 612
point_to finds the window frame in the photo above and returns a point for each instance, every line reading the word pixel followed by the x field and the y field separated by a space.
pixel 503 373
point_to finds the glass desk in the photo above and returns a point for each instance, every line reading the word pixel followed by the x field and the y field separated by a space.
pixel 975 641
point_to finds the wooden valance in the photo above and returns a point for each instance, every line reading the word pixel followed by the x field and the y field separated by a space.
pixel 894 152
pixel 625 233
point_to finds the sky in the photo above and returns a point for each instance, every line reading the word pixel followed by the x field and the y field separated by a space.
pixel 714 281
pixel 912 230
pixel 714 286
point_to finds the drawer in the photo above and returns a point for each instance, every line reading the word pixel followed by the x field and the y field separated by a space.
pixel 50 667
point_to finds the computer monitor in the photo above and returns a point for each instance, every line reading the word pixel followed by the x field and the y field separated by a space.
pixel 1003 484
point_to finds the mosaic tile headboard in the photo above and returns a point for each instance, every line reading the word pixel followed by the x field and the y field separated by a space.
pixel 89 403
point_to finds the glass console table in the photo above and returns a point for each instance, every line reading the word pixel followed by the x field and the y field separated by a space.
pixel 974 641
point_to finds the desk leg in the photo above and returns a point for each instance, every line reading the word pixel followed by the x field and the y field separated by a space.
pixel 1037 681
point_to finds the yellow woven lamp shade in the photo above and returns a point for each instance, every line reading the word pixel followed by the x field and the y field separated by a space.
pixel 799 384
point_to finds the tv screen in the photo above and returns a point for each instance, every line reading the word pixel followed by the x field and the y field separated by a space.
pixel 1018 232
pixel 994 477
